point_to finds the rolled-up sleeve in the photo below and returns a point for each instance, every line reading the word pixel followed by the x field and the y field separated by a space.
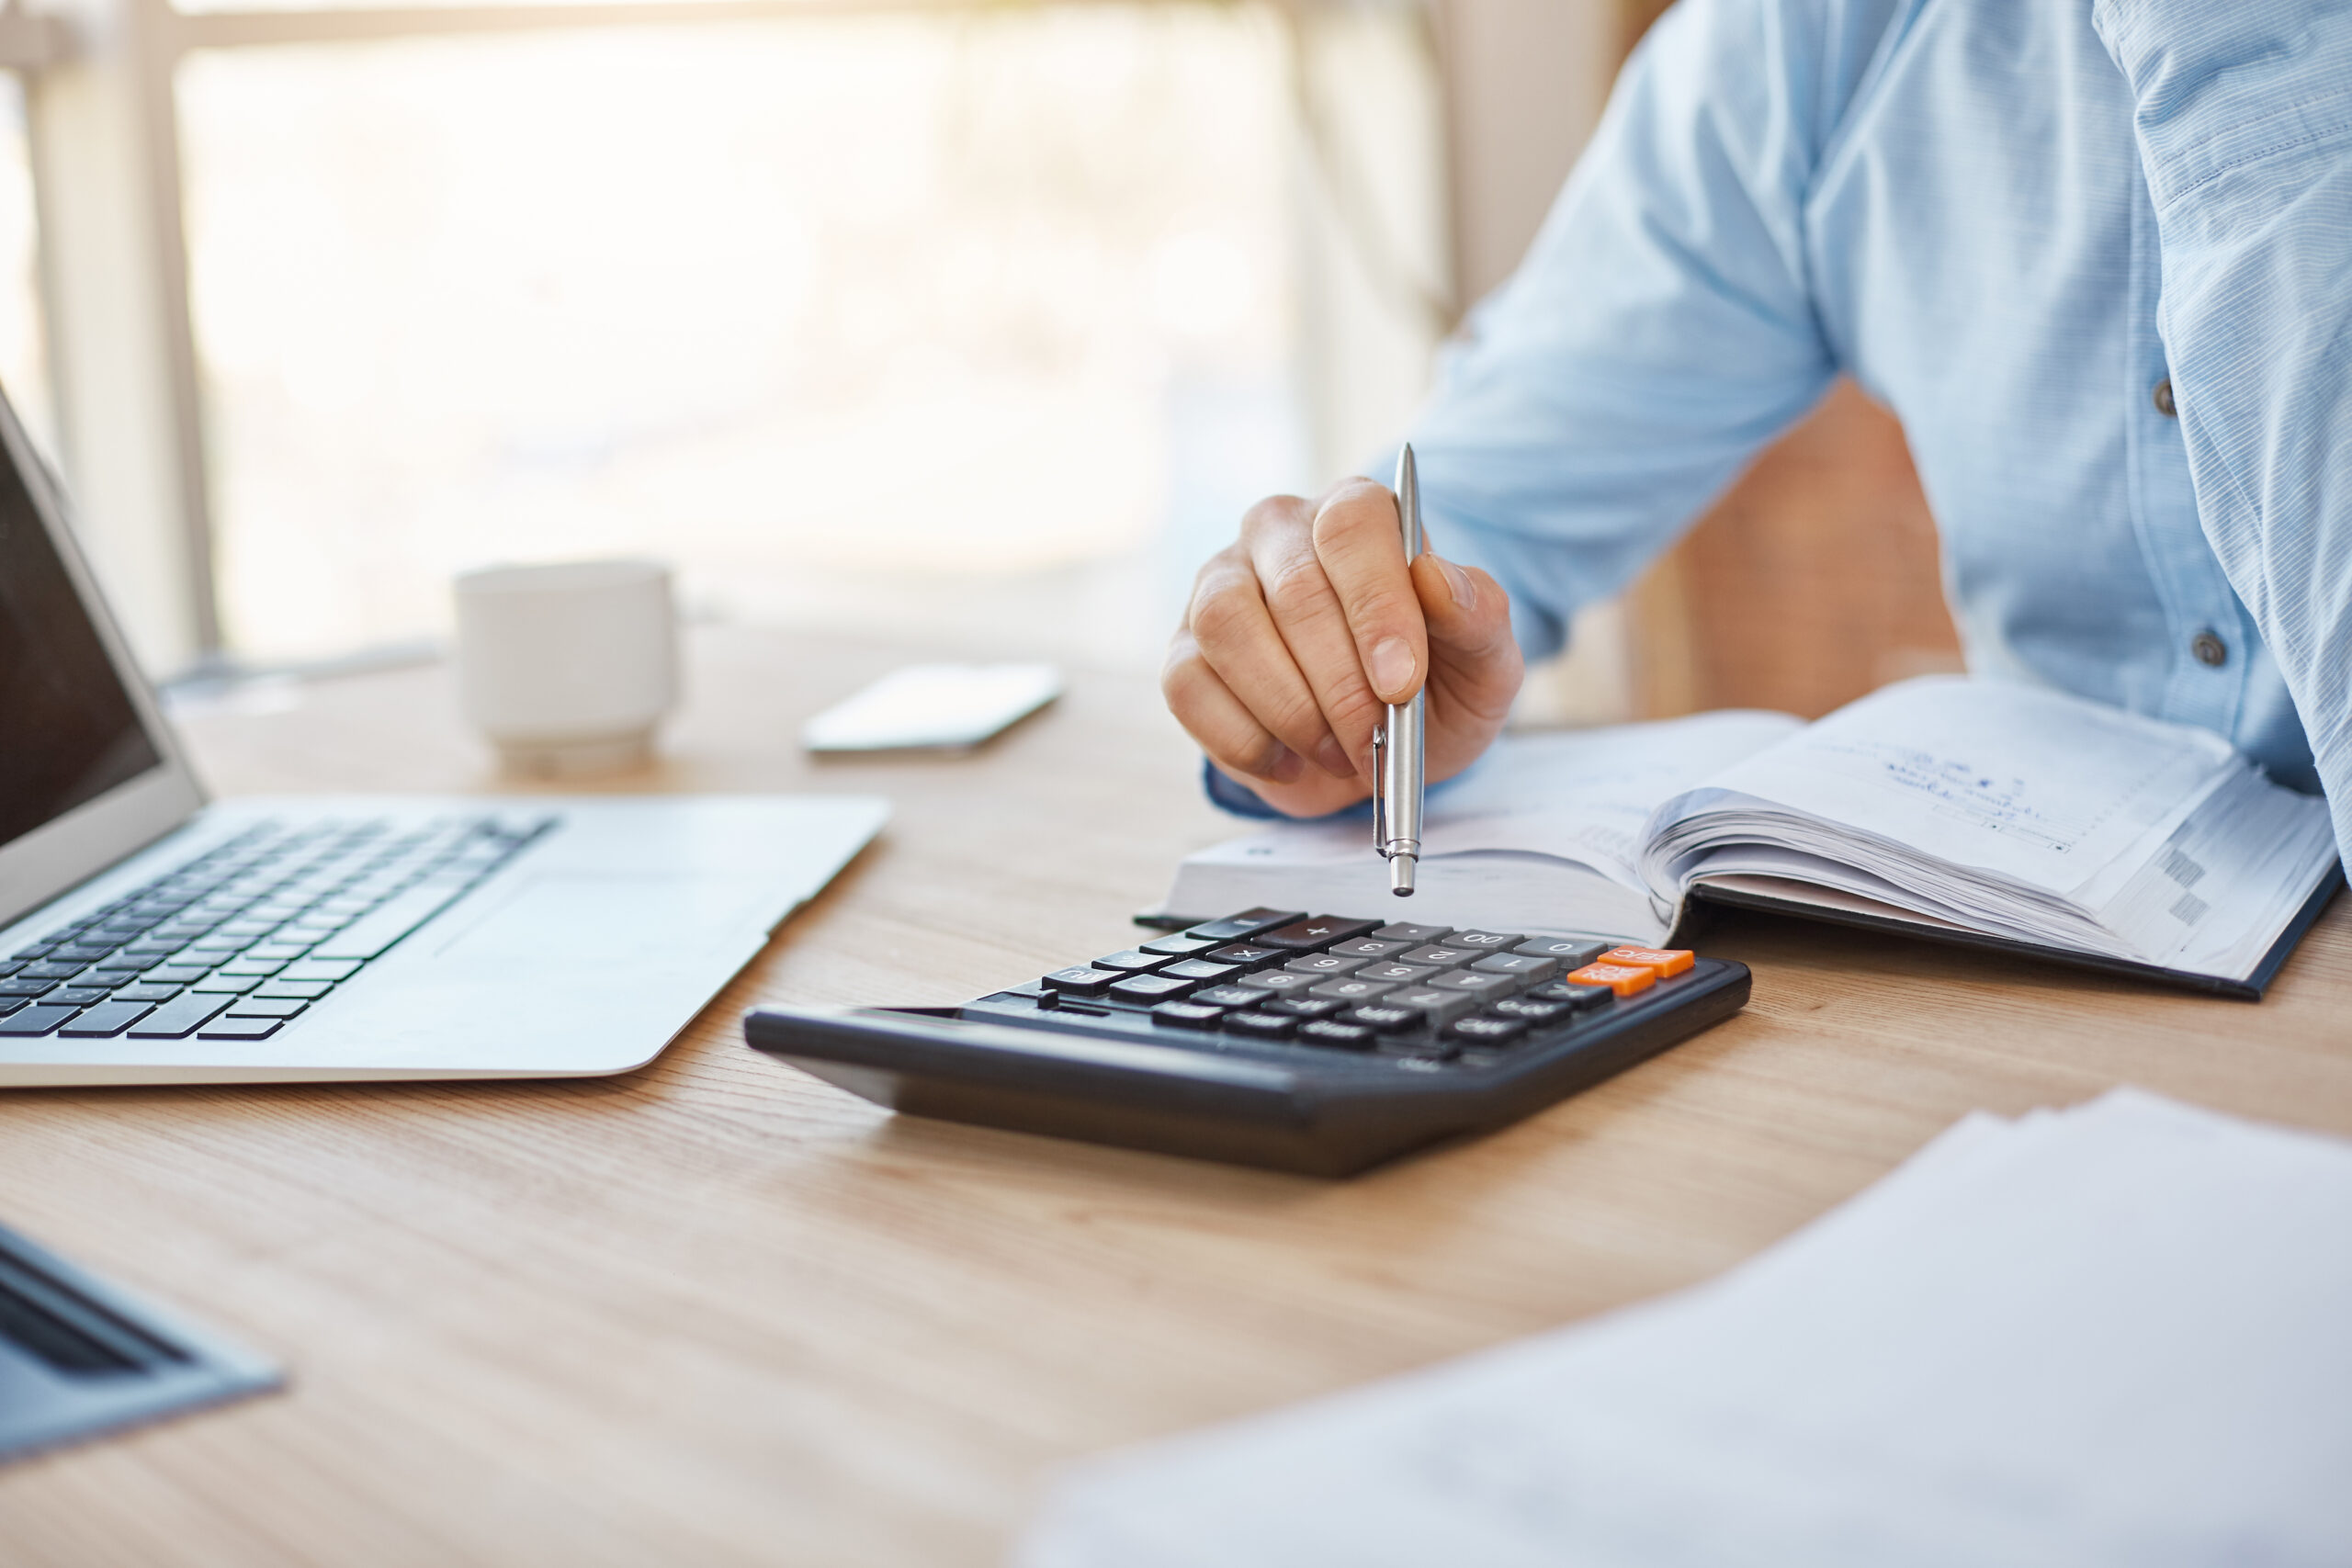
pixel 2243 113
pixel 1661 329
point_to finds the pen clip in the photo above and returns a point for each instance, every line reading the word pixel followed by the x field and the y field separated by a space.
pixel 1379 798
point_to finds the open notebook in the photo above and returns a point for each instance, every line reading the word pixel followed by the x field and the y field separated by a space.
pixel 1972 811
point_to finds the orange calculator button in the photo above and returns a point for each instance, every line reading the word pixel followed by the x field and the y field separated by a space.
pixel 1625 979
pixel 1667 962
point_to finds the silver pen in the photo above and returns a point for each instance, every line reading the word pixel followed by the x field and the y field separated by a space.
pixel 1398 757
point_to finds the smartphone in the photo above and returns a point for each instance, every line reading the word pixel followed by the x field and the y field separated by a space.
pixel 933 707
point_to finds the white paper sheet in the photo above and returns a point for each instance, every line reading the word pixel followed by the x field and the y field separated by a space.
pixel 2107 1337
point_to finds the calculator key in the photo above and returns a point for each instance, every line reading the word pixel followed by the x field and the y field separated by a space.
pixel 75 996
pixel 1473 982
pixel 47 970
pixel 1379 1016
pixel 1230 996
pixel 25 985
pixel 1248 954
pixel 1281 980
pixel 1199 972
pixel 1532 1009
pixel 1248 923
pixel 241 1029
pixel 260 969
pixel 174 975
pixel 1624 979
pixel 1128 959
pixel 1320 932
pixel 1440 957
pixel 1188 1015
pixel 1484 942
pixel 1324 964
pixel 1573 951
pixel 1261 1025
pixel 1351 989
pixel 1485 1030
pixel 1411 934
pixel 10 1004
pixel 1526 966
pixel 1667 962
pixel 1395 974
pixel 1349 1036
pixel 1305 1007
pixel 265 1007
pixel 1149 988
pixel 1365 947
pixel 1436 1006
pixel 1179 945
pixel 1579 997
pixel 37 1020
pixel 105 1018
pixel 1081 981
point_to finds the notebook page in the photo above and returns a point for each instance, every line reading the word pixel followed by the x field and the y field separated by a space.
pixel 2105 1338
pixel 1580 795
pixel 2036 785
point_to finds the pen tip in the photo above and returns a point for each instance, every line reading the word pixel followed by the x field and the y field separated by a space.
pixel 1400 875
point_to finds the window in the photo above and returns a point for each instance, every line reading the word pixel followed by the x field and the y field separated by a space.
pixel 24 346
pixel 898 316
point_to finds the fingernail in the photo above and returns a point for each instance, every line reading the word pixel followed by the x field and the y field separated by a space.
pixel 1392 666
pixel 1334 758
pixel 1282 765
pixel 1465 592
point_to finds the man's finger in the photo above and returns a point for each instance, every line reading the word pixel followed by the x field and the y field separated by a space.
pixel 1476 662
pixel 1357 541
pixel 1211 714
pixel 1235 632
pixel 1306 614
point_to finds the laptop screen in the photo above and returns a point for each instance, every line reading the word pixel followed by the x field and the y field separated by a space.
pixel 68 731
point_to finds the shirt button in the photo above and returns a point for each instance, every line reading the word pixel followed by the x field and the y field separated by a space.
pixel 2164 406
pixel 2211 650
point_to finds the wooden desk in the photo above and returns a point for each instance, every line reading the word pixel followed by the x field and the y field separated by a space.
pixel 716 1312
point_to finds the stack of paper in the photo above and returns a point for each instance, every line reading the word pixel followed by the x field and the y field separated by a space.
pixel 2115 1335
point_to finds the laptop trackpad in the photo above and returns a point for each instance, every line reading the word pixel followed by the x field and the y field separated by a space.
pixel 605 915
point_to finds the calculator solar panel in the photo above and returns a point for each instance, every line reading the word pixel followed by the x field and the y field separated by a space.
pixel 1273 1037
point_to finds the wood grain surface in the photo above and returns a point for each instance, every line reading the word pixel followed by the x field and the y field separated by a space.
pixel 717 1312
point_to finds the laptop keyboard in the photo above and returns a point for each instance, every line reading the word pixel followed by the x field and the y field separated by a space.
pixel 251 933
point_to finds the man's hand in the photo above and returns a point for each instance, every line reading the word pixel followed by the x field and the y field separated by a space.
pixel 1299 631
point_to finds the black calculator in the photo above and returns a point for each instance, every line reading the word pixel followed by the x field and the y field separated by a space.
pixel 1314 1042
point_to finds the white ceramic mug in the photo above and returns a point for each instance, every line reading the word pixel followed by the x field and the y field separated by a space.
pixel 568 667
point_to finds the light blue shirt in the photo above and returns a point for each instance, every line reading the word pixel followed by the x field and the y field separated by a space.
pixel 2009 220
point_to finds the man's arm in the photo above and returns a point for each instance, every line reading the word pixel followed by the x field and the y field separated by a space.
pixel 1661 329
pixel 2243 116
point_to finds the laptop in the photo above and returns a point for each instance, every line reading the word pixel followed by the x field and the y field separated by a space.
pixel 148 936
